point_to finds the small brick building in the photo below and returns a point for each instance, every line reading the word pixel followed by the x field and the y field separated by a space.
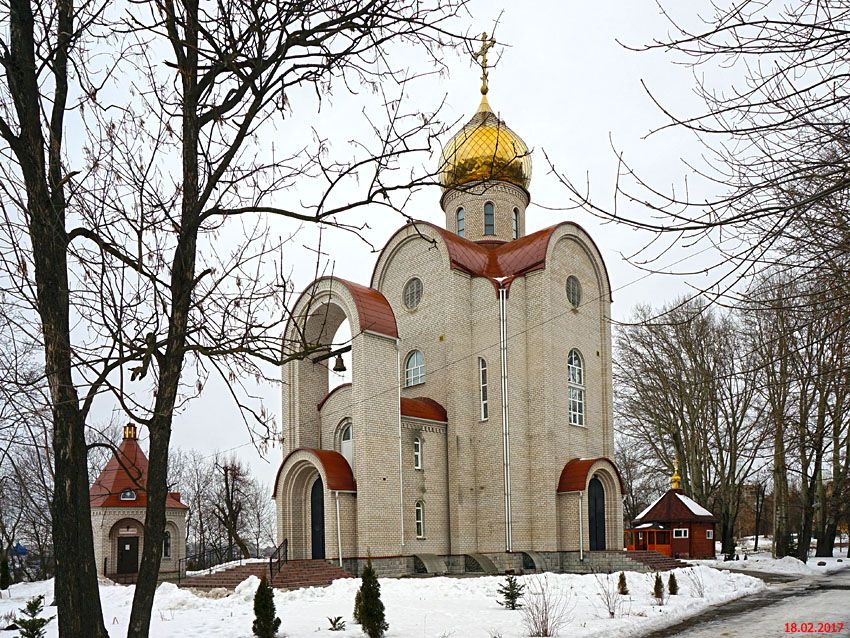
pixel 478 425
pixel 674 525
pixel 118 500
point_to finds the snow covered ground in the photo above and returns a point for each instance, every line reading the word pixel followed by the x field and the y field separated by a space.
pixel 763 562
pixel 426 607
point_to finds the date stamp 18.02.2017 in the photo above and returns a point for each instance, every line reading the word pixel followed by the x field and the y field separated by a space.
pixel 814 627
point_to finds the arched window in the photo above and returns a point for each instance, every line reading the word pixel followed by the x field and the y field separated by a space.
pixel 482 384
pixel 489 219
pixel 515 224
pixel 420 519
pixel 575 372
pixel 461 227
pixel 128 495
pixel 346 442
pixel 417 453
pixel 414 369
pixel 166 545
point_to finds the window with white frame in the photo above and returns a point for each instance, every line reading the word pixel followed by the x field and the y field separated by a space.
pixel 482 384
pixel 414 369
pixel 128 495
pixel 489 219
pixel 515 224
pixel 681 532
pixel 461 226
pixel 417 453
pixel 575 387
pixel 420 519
pixel 709 534
pixel 573 287
pixel 346 442
pixel 166 545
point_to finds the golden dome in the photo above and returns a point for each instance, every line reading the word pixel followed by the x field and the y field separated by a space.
pixel 485 149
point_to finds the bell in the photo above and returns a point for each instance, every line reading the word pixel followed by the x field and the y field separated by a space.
pixel 339 365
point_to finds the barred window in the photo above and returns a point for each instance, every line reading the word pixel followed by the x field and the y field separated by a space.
pixel 414 369
pixel 575 387
pixel 413 293
pixel 482 381
pixel 573 291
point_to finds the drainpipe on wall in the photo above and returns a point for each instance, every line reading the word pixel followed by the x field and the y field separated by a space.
pixel 506 441
pixel 580 528
pixel 400 455
pixel 338 528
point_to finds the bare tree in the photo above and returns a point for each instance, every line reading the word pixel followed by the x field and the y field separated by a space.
pixel 106 240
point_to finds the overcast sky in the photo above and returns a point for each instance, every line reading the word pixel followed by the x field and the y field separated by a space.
pixel 563 84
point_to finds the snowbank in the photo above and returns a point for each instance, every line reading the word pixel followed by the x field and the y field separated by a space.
pixel 461 607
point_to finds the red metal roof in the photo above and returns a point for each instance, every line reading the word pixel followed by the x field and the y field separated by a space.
pixel 128 473
pixel 492 259
pixel 574 474
pixel 373 309
pixel 336 468
pixel 671 509
pixel 423 408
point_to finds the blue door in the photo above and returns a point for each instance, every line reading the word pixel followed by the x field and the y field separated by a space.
pixel 596 514
pixel 317 518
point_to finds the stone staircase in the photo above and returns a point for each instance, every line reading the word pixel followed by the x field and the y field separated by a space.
pixel 293 574
pixel 656 561
pixel 606 561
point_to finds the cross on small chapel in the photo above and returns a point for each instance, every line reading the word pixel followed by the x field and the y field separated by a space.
pixel 481 57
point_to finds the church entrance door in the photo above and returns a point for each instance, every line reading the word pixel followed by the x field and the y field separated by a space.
pixel 128 554
pixel 596 514
pixel 317 519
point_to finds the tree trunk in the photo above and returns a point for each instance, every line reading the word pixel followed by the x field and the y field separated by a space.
pixel 75 587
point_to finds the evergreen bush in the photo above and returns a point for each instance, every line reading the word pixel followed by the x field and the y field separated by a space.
pixel 511 591
pixel 5 579
pixel 31 626
pixel 658 589
pixel 356 613
pixel 622 586
pixel 371 611
pixel 266 623
pixel 672 584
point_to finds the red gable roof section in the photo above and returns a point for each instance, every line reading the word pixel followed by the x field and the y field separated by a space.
pixel 336 468
pixel 375 312
pixel 128 473
pixel 495 259
pixel 574 475
pixel 423 408
pixel 670 509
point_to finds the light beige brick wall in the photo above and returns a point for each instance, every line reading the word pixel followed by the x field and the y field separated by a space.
pixel 505 198
pixel 105 529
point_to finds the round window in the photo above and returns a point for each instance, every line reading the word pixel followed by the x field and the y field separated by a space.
pixel 413 293
pixel 573 291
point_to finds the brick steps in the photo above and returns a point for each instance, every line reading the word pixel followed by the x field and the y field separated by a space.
pixel 293 574
pixel 655 561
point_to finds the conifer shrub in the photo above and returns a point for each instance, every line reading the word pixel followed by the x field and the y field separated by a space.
pixel 511 592
pixel 658 589
pixel 622 586
pixel 5 579
pixel 371 612
pixel 31 626
pixel 266 623
pixel 672 584
pixel 356 613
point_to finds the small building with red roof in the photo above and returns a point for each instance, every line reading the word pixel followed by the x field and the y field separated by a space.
pixel 674 525
pixel 118 499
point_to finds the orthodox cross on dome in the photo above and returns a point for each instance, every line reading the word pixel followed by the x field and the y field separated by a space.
pixel 480 56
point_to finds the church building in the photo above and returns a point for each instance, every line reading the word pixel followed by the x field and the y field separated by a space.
pixel 476 433
pixel 118 500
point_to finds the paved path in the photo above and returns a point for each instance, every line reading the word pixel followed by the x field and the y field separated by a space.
pixel 825 599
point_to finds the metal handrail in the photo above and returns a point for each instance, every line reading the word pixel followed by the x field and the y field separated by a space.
pixel 208 559
pixel 278 558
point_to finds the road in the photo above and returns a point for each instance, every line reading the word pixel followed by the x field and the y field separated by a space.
pixel 824 600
